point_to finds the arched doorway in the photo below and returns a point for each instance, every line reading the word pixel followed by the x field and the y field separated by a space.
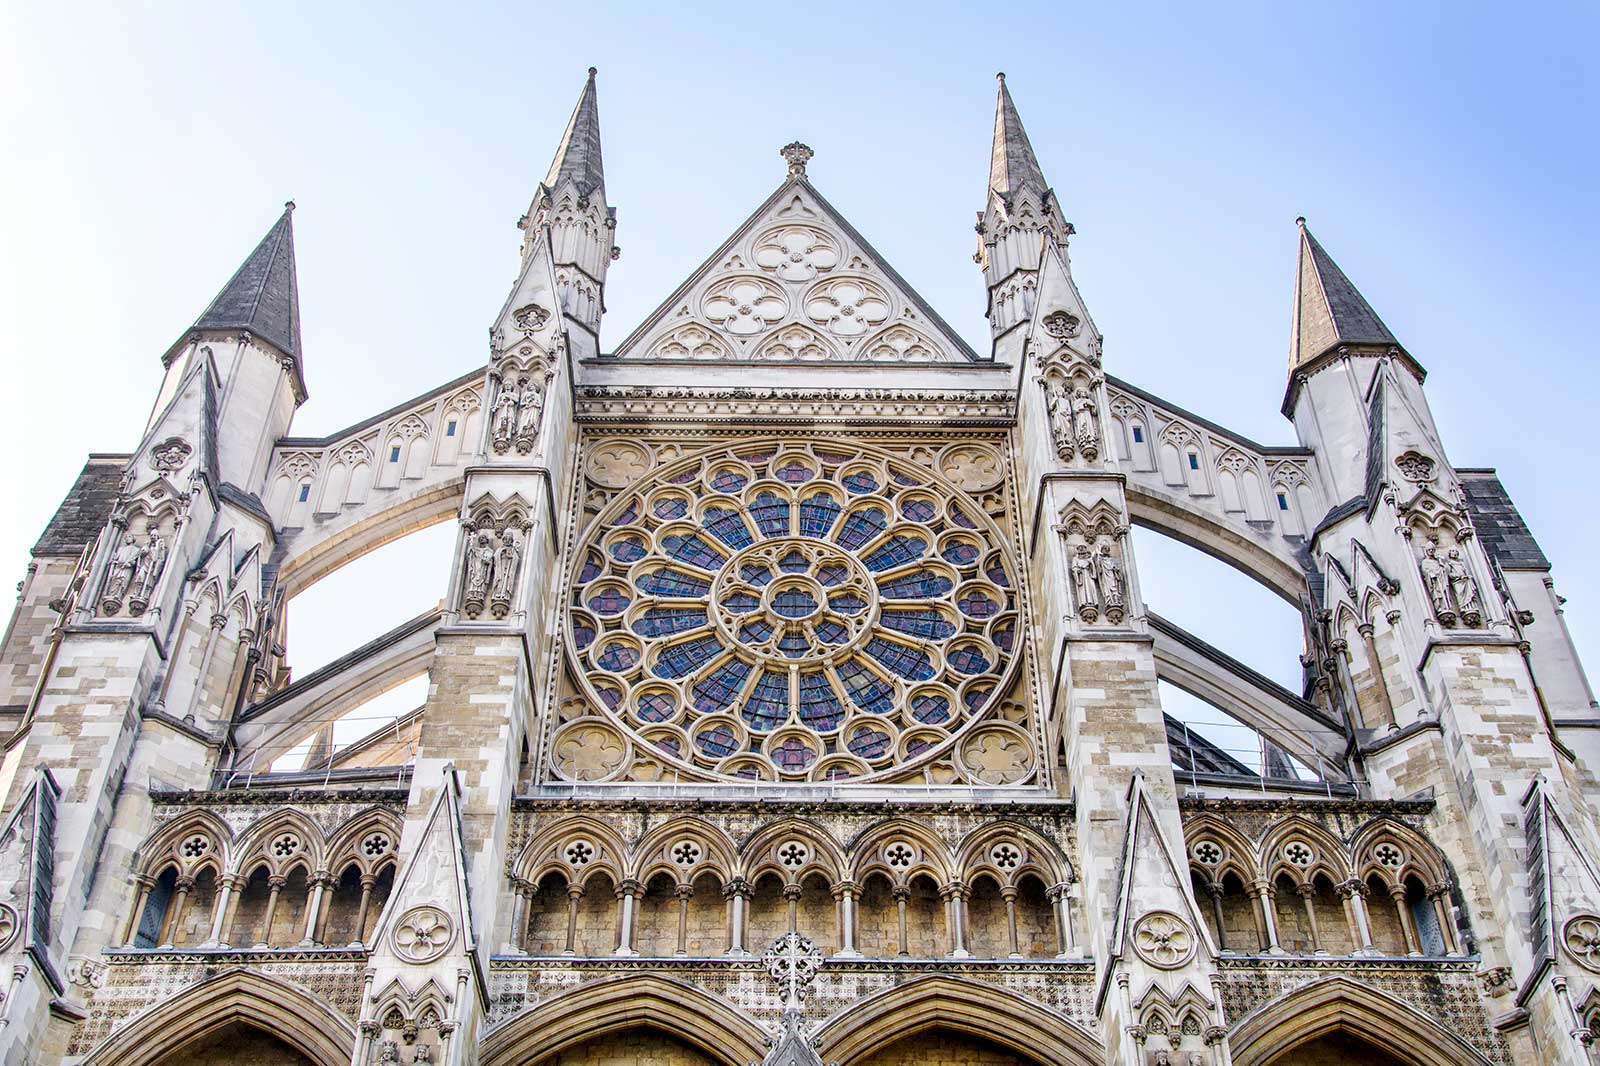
pixel 236 1044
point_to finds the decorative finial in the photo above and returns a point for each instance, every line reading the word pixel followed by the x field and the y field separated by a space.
pixel 593 72
pixel 1001 76
pixel 288 205
pixel 1301 222
pixel 797 156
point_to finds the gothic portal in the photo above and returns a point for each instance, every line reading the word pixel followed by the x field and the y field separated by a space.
pixel 792 697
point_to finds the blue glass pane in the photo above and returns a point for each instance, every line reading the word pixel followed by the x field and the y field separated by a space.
pixel 681 659
pixel 898 551
pixel 661 621
pixel 793 472
pixel 608 600
pixel 830 574
pixel 847 602
pixel 740 602
pixel 717 742
pixel 728 526
pixel 618 658
pixel 819 705
pixel 668 582
pixel 771 513
pixel 903 478
pixel 691 549
pixel 627 517
pixel 758 631
pixel 868 742
pixel 592 568
pixel 918 510
pixel 794 603
pixel 977 605
pixel 959 552
pixel 768 705
pixel 629 549
pixel 830 632
pixel 899 659
pixel 729 481
pixel 670 744
pixel 929 625
pixel 717 689
pixel 582 634
pixel 794 644
pixel 834 458
pixel 684 476
pixel 792 754
pixel 859 482
pixel 609 695
pixel 759 456
pixel 930 708
pixel 917 585
pixel 1005 636
pixel 794 563
pixel 817 515
pixel 977 696
pixel 671 507
pixel 997 573
pixel 866 689
pixel 917 745
pixel 968 659
pixel 960 517
pixel 655 707
pixel 755 573
pixel 861 527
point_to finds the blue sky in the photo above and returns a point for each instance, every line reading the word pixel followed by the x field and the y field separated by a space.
pixel 1444 155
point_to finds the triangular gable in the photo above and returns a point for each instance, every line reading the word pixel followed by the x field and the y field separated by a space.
pixel 1148 858
pixel 1061 320
pixel 796 284
pixel 435 875
pixel 1562 877
pixel 27 871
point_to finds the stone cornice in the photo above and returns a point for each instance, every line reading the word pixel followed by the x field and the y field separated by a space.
pixel 1297 805
pixel 276 797
pixel 778 807
pixel 685 403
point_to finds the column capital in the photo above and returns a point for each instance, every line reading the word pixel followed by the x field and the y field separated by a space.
pixel 845 888
pixel 955 890
pixel 631 886
pixel 574 891
pixel 684 891
pixel 791 892
pixel 737 887
pixel 900 893
pixel 184 883
pixel 277 881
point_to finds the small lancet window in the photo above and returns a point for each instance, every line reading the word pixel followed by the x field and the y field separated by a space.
pixel 450 428
pixel 305 493
pixel 1283 502
pixel 1138 434
pixel 394 454
pixel 1194 461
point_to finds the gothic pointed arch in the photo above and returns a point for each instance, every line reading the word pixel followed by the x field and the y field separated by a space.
pixel 685 848
pixel 284 1010
pixel 1008 849
pixel 647 1001
pixel 900 849
pixel 1338 1004
pixel 575 848
pixel 793 848
pixel 1025 1028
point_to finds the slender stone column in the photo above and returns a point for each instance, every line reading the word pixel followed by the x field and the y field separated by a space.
pixel 319 888
pixel 1398 894
pixel 955 895
pixel 275 884
pixel 901 895
pixel 846 891
pixel 1060 897
pixel 1308 896
pixel 1265 896
pixel 1009 894
pixel 684 893
pixel 219 910
pixel 1355 896
pixel 629 895
pixel 145 885
pixel 218 621
pixel 175 912
pixel 1214 890
pixel 368 881
pixel 738 893
pixel 574 894
pixel 1385 702
pixel 521 898
pixel 792 894
pixel 1440 894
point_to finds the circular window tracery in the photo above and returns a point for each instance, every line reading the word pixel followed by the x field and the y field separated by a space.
pixel 821 612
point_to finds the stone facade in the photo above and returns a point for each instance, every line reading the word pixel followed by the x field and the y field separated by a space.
pixel 792 697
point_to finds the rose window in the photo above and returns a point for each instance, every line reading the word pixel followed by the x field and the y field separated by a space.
pixel 771 610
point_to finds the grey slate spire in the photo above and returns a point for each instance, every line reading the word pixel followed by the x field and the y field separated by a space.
pixel 1012 164
pixel 1329 312
pixel 578 156
pixel 262 296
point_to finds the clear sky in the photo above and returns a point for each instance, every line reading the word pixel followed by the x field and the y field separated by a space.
pixel 1445 155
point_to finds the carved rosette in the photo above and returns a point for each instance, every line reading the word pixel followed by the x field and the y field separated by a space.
pixel 423 934
pixel 1581 939
pixel 1163 940
pixel 10 925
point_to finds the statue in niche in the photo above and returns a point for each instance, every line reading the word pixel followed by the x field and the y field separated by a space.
pixel 146 572
pixel 1085 587
pixel 1060 405
pixel 1085 422
pixel 506 561
pixel 530 406
pixel 1463 589
pixel 504 418
pixel 480 571
pixel 119 576
pixel 1437 580
pixel 388 1051
pixel 423 1054
pixel 1113 590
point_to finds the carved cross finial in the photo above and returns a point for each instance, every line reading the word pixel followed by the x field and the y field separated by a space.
pixel 792 961
pixel 797 156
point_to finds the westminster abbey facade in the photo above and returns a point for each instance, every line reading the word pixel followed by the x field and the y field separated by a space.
pixel 792 696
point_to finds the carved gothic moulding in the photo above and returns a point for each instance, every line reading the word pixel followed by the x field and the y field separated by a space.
pixel 1581 939
pixel 1414 466
pixel 794 610
pixel 10 925
pixel 1163 940
pixel 797 252
pixel 169 456
pixel 423 934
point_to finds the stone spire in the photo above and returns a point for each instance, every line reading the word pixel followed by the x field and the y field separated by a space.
pixel 578 157
pixel 1012 164
pixel 262 296
pixel 1329 313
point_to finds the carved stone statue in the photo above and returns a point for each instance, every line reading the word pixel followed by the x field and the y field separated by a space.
pixel 1113 590
pixel 388 1051
pixel 530 406
pixel 120 575
pixel 1085 588
pixel 424 1053
pixel 1437 581
pixel 152 560
pixel 1463 589
pixel 506 561
pixel 504 419
pixel 1085 422
pixel 480 571
pixel 1060 405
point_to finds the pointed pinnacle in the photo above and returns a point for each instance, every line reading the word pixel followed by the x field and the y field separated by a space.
pixel 1012 164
